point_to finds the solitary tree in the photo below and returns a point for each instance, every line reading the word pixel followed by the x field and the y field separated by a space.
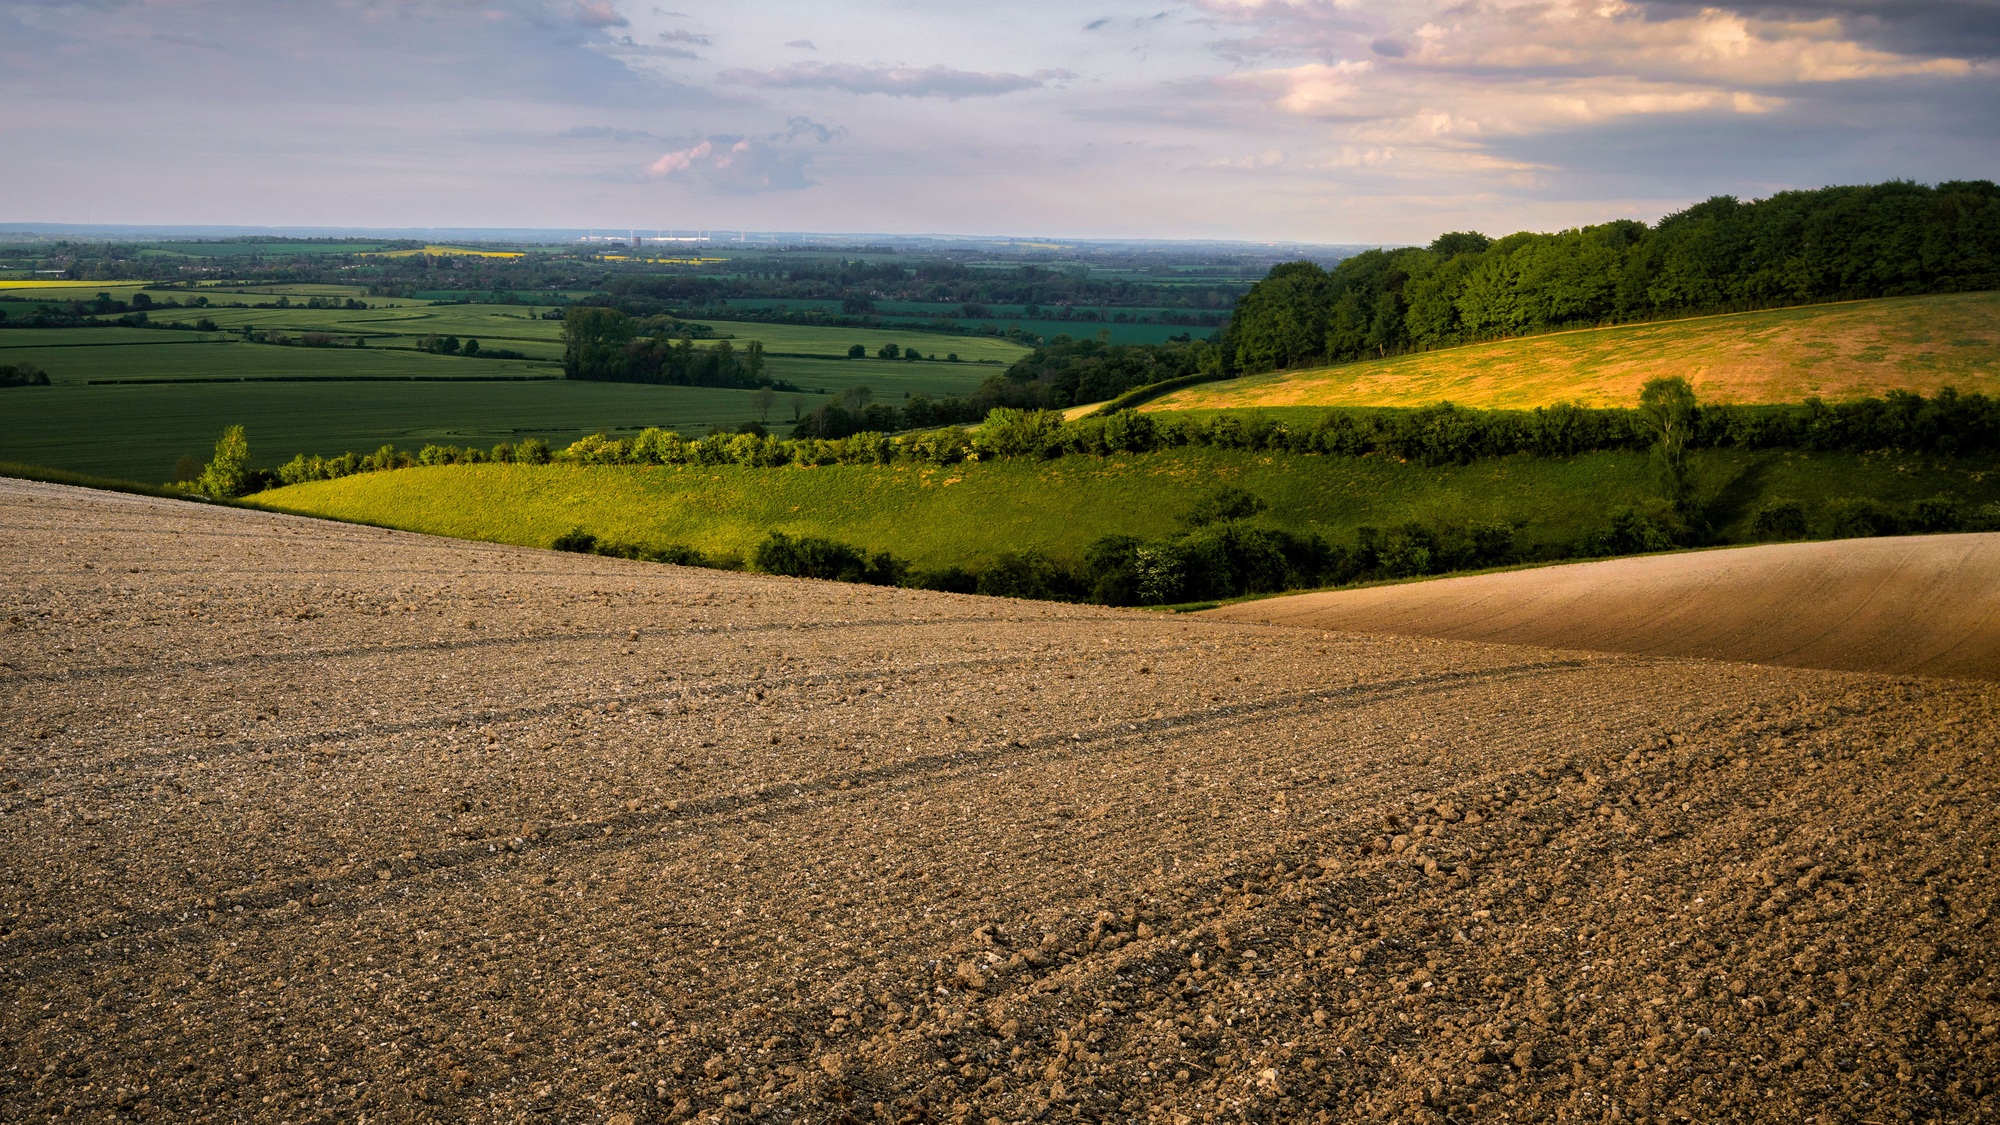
pixel 855 351
pixel 229 471
pixel 1668 407
pixel 762 400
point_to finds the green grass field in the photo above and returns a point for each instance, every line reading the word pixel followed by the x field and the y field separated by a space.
pixel 1836 352
pixel 967 513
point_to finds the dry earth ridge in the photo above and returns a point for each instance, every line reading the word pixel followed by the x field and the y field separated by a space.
pixel 310 822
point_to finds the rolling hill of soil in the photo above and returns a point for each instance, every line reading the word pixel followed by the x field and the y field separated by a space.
pixel 1922 605
pixel 302 821
pixel 1836 352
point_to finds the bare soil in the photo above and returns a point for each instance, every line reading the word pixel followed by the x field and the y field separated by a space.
pixel 303 821
pixel 1927 604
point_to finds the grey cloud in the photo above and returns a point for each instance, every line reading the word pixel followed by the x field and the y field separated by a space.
pixel 682 36
pixel 802 44
pixel 1390 48
pixel 895 81
pixel 342 52
pixel 1136 22
pixel 1932 28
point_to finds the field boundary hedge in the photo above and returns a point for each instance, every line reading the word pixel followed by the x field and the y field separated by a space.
pixel 1947 424
pixel 1139 396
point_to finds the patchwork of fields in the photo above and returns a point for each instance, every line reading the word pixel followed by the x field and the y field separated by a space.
pixel 1839 351
pixel 129 402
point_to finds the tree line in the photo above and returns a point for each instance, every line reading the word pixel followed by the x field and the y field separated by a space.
pixel 1793 248
pixel 1946 424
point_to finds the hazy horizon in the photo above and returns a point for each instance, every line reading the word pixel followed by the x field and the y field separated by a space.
pixel 1360 122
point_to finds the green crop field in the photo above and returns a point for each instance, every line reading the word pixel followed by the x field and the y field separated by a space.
pixel 509 324
pixel 1785 355
pixel 139 353
pixel 137 432
pixel 889 379
pixel 968 513
pixel 14 340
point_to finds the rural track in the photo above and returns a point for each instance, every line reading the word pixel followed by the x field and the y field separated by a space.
pixel 935 858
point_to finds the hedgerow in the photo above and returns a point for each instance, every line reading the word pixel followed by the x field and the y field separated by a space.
pixel 1947 424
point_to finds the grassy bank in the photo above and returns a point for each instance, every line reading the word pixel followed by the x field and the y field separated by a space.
pixel 970 513
pixel 1836 352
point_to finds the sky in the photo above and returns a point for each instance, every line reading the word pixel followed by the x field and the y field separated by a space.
pixel 1356 121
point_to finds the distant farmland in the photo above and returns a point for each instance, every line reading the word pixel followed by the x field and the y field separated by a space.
pixel 128 402
pixel 1785 355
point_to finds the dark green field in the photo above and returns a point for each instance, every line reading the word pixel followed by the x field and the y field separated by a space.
pixel 138 432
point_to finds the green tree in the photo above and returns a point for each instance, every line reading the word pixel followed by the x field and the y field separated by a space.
pixel 1667 406
pixel 594 342
pixel 228 473
pixel 857 351
pixel 762 400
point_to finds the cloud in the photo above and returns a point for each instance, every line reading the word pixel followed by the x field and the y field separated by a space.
pixel 1460 77
pixel 1964 28
pixel 802 44
pixel 683 36
pixel 598 13
pixel 739 165
pixel 895 81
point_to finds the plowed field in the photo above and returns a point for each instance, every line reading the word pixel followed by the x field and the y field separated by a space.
pixel 303 821
pixel 1926 604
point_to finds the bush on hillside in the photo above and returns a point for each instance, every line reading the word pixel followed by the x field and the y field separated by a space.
pixel 807 556
pixel 1779 519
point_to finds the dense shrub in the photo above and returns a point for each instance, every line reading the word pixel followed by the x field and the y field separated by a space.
pixel 1779 519
pixel 807 556
pixel 22 375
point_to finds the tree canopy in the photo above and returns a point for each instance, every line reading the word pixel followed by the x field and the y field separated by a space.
pixel 1796 247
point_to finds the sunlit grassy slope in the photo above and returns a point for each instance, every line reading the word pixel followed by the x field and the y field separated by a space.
pixel 1784 355
pixel 969 513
